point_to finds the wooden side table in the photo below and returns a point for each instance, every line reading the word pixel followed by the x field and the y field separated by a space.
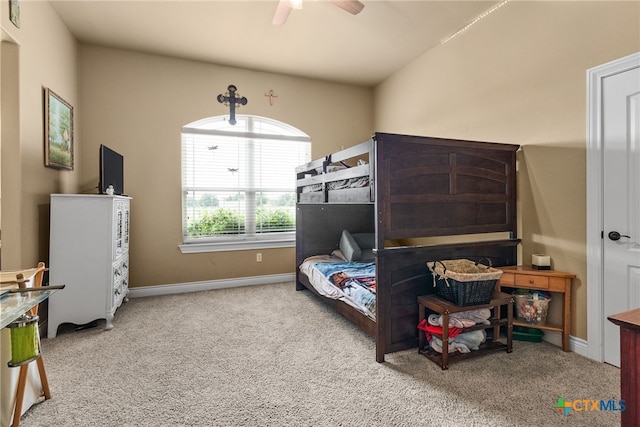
pixel 545 280
pixel 629 323
pixel 445 308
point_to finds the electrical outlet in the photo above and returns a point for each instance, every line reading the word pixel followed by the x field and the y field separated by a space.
pixel 259 257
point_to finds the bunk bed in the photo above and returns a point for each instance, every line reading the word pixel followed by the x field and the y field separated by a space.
pixel 399 189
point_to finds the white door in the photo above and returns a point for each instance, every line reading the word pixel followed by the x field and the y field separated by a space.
pixel 621 202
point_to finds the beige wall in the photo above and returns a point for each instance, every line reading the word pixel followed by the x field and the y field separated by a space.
pixel 41 53
pixel 136 104
pixel 519 76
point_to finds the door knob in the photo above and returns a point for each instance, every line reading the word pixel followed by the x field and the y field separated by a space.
pixel 614 235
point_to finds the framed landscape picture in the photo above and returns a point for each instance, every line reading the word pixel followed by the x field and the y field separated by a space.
pixel 58 131
pixel 14 12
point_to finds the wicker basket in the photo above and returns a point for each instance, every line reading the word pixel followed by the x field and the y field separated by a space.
pixel 464 282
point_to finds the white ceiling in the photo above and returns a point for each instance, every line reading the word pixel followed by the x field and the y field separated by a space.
pixel 319 41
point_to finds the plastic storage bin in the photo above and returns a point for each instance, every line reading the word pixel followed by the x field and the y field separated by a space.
pixel 531 308
pixel 522 333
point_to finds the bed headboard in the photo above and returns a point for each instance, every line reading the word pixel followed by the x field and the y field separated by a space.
pixel 435 187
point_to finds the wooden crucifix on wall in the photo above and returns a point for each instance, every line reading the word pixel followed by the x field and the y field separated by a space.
pixel 271 95
pixel 230 99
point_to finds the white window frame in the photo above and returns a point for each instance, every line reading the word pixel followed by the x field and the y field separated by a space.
pixel 239 242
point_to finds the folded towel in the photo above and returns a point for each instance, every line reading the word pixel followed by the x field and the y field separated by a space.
pixel 463 319
pixel 463 343
pixel 477 316
pixel 471 340
pixel 436 344
pixel 436 320
pixel 432 329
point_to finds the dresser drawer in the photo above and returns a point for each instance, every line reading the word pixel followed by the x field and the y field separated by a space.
pixel 531 281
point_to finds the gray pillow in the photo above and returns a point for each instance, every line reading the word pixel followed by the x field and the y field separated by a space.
pixel 349 247
pixel 357 246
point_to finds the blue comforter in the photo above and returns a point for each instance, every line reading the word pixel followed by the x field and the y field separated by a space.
pixel 352 282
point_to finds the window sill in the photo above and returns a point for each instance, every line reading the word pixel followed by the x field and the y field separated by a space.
pixel 194 248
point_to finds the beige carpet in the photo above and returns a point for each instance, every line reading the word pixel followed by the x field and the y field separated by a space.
pixel 271 356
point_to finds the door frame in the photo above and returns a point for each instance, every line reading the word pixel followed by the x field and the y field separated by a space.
pixel 595 217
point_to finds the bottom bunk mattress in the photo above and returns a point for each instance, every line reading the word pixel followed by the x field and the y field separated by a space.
pixel 354 283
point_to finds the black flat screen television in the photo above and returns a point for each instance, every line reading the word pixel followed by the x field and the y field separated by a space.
pixel 111 171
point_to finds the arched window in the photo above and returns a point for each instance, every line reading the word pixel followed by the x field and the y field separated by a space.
pixel 238 183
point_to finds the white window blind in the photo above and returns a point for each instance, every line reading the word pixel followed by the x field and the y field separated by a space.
pixel 238 181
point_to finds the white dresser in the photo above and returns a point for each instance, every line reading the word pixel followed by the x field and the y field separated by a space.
pixel 89 253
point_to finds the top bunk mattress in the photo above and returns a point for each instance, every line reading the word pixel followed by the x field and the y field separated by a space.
pixel 340 184
pixel 342 177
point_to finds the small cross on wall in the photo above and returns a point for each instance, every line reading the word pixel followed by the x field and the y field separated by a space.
pixel 271 95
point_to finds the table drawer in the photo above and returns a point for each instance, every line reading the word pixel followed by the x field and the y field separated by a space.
pixel 531 281
pixel 507 279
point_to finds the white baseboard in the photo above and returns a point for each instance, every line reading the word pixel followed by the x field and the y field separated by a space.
pixel 577 345
pixel 207 285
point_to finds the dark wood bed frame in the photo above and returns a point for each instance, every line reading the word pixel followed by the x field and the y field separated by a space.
pixel 418 187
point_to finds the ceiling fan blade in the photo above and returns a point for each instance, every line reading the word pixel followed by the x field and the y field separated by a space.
pixel 282 12
pixel 354 7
